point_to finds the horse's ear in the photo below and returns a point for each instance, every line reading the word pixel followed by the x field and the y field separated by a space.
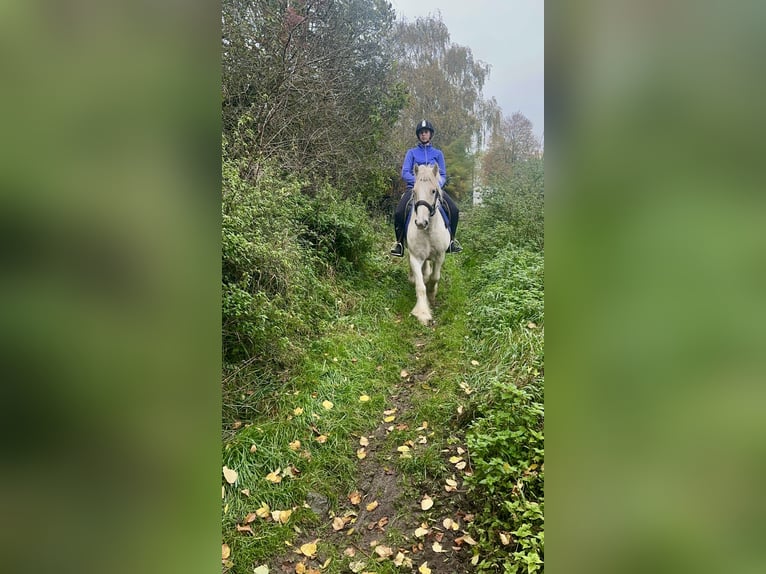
pixel 436 169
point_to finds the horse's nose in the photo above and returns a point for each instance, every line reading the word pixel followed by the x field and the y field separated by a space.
pixel 422 224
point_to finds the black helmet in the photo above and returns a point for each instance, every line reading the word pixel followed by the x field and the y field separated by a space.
pixel 424 125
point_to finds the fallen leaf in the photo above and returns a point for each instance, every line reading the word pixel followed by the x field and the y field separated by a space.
pixel 460 409
pixel 436 547
pixel 261 570
pixel 455 459
pixel 403 448
pixel 447 523
pixel 355 497
pixel 420 532
pixel 309 549
pixel 424 569
pixel 295 445
pixel 300 568
pixel 361 453
pixel 244 528
pixel 321 439
pixel 246 492
pixel 251 516
pixel 263 511
pixel 531 325
pixel 461 465
pixel 364 441
pixel 357 567
pixel 384 551
pixel 225 551
pixel 505 538
pixel 274 477
pixel 338 523
pixel 468 539
pixel 281 516
pixel 475 559
pixel 372 506
pixel 230 475
pixel 404 374
pixel 253 448
pixel 350 552
pixel 474 362
pixel 426 503
pixel 297 411
pixel 364 399
pixel 327 405
pixel 383 522
pixel 389 411
pixel 389 419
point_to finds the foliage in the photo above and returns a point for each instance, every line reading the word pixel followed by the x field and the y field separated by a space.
pixel 311 81
pixel 513 141
pixel 513 209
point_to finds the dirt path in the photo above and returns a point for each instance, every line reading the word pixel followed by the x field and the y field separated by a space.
pixel 393 521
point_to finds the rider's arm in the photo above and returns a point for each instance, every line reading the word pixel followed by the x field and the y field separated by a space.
pixel 407 168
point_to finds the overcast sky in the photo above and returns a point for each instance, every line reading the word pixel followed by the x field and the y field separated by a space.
pixel 506 34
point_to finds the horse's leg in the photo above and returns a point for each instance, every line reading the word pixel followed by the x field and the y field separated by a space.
pixel 435 276
pixel 421 310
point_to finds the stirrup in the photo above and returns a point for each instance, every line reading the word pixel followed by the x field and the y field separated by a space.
pixel 454 247
pixel 398 250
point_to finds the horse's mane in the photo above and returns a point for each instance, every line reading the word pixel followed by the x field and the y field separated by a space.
pixel 426 173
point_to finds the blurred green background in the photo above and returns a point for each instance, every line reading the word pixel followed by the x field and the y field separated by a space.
pixel 110 288
pixel 656 275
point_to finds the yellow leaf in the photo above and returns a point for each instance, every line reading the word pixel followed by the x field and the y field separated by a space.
pixel 531 325
pixel 350 552
pixel 389 419
pixel 364 399
pixel 225 552
pixel 261 570
pixel 309 549
pixel 253 448
pixel 295 445
pixel 327 405
pixel 403 448
pixel 474 362
pixel 505 538
pixel 297 411
pixel 469 540
pixel 338 523
pixel 281 516
pixel 361 453
pixel 475 559
pixel 251 516
pixel 420 532
pixel 230 475
pixel 460 450
pixel 263 511
pixel 426 503
pixel 357 567
pixel 355 497
pixel 321 439
pixel 455 459
pixel 384 551
pixel 372 506
pixel 447 523
pixel 274 477
pixel 461 465
pixel 245 491
pixel 424 569
pixel 436 547
pixel 404 374
pixel 300 568
pixel 364 441
pixel 389 411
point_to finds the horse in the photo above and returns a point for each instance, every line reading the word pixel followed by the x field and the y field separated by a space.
pixel 427 240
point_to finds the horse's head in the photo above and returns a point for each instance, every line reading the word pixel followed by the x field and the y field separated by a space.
pixel 426 193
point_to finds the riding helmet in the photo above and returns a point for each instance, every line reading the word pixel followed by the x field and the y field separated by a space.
pixel 424 125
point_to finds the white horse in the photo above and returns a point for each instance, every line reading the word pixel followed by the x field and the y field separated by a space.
pixel 427 240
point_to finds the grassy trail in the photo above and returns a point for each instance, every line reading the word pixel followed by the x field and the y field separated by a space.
pixel 357 462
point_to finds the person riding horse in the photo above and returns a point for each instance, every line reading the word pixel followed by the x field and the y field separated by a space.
pixel 423 154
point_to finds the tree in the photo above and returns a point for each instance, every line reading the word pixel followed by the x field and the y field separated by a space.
pixel 513 141
pixel 306 85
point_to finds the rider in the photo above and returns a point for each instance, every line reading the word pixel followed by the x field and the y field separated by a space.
pixel 423 154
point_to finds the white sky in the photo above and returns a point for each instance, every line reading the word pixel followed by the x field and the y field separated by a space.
pixel 506 34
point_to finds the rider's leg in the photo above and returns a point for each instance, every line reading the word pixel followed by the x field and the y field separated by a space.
pixel 399 217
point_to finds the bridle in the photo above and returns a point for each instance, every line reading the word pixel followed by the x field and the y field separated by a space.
pixel 431 206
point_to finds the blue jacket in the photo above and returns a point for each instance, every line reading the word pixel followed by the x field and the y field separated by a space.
pixel 423 154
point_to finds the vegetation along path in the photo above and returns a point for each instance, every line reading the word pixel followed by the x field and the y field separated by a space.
pixel 396 447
